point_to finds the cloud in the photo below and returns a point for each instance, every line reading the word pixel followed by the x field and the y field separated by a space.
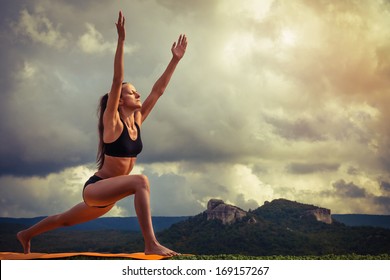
pixel 273 99
pixel 92 42
pixel 45 136
pixel 55 193
pixel 306 168
pixel 299 129
pixel 349 190
pixel 383 202
pixel 170 192
pixel 39 28
pixel 39 196
pixel 385 186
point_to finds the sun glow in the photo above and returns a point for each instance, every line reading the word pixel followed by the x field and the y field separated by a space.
pixel 239 46
pixel 288 37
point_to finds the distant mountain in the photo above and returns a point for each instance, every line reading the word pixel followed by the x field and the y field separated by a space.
pixel 106 223
pixel 363 220
pixel 280 227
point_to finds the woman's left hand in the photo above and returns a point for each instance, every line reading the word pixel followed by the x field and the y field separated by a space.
pixel 178 49
pixel 120 26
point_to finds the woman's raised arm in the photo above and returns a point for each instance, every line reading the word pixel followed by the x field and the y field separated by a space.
pixel 115 92
pixel 178 49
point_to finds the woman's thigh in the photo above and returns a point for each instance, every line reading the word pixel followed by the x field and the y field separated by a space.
pixel 110 190
pixel 81 213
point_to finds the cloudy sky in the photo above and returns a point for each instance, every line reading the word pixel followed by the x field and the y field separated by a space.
pixel 273 99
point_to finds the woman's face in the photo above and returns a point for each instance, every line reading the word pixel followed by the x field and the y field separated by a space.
pixel 130 97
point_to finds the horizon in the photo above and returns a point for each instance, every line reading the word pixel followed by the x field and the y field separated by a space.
pixel 179 216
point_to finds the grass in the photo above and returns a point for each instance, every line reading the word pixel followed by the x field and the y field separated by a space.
pixel 324 257
pixel 243 257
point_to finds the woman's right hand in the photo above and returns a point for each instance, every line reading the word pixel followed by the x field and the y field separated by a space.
pixel 120 26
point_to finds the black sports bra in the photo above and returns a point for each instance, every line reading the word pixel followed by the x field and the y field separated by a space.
pixel 124 146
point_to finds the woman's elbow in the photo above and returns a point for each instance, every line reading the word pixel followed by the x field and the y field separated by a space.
pixel 158 90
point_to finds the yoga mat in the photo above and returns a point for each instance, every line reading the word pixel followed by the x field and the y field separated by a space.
pixel 35 256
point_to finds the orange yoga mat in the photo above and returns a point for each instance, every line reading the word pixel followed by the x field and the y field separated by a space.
pixel 35 256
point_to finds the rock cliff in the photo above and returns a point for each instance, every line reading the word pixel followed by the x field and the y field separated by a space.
pixel 321 215
pixel 228 214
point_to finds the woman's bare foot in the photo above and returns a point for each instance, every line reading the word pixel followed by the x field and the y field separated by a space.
pixel 21 235
pixel 158 249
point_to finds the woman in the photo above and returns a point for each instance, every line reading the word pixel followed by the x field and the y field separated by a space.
pixel 120 120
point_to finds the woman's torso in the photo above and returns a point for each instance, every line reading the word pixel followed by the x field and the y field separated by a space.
pixel 121 154
pixel 116 166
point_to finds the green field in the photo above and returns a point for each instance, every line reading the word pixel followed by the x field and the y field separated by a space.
pixel 324 257
pixel 242 257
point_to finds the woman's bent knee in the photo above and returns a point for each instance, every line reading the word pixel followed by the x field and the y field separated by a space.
pixel 143 182
pixel 109 191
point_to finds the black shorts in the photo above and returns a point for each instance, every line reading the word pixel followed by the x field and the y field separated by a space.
pixel 92 180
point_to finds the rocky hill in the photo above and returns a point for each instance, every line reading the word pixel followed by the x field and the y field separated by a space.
pixel 279 227
pixel 229 214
